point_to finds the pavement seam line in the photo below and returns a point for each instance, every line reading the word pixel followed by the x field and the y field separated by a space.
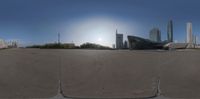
pixel 158 92
pixel 60 77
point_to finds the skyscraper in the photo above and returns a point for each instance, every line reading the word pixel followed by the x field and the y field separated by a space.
pixel 155 35
pixel 125 44
pixel 119 40
pixel 189 35
pixel 170 31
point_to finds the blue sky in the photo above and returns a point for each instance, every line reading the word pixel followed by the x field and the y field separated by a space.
pixel 39 21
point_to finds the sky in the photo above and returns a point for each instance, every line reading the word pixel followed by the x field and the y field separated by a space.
pixel 79 21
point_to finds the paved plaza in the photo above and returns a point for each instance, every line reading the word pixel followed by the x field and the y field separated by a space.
pixel 48 73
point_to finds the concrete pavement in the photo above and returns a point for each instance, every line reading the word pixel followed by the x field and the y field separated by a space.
pixel 113 74
pixel 35 73
pixel 28 74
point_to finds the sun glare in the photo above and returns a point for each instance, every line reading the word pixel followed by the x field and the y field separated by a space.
pixel 96 29
pixel 100 39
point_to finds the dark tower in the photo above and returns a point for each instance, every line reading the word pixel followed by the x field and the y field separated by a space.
pixel 58 38
pixel 170 31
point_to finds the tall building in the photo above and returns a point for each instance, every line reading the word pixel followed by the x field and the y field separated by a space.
pixel 113 46
pixel 170 31
pixel 125 44
pixel 119 40
pixel 189 35
pixel 155 35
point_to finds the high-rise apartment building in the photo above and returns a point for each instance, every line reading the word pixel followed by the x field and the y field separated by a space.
pixel 119 40
pixel 155 35
pixel 189 35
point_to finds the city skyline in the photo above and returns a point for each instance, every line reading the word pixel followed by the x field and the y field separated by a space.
pixel 39 22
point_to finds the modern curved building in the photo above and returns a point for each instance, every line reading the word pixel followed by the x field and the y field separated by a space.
pixel 141 43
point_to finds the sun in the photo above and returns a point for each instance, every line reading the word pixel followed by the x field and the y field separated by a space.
pixel 99 39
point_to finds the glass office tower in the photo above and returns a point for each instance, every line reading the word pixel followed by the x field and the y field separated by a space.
pixel 170 31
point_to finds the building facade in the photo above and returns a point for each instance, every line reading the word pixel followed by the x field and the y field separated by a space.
pixel 141 43
pixel 119 40
pixel 3 44
pixel 189 35
pixel 170 31
pixel 125 44
pixel 155 35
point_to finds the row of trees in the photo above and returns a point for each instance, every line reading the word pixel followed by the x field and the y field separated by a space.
pixel 93 46
pixel 70 46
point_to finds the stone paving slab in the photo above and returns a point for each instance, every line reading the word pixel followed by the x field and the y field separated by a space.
pixel 28 74
pixel 108 74
pixel 180 76
pixel 35 73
